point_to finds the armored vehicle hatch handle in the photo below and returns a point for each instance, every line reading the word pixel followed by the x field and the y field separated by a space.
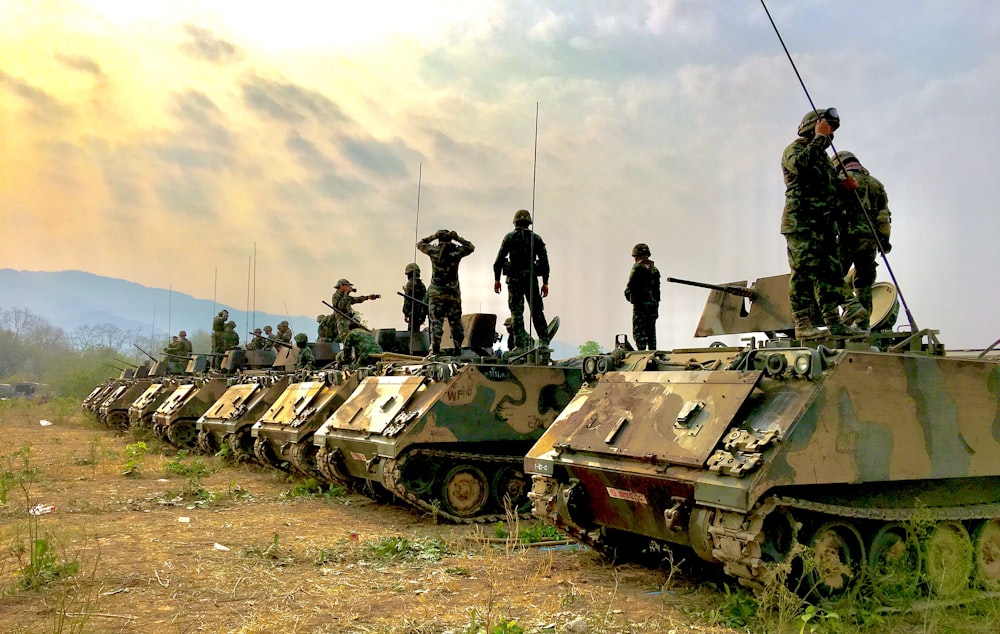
pixel 614 430
pixel 688 412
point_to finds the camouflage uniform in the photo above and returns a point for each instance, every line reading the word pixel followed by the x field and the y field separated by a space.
pixel 185 343
pixel 257 343
pixel 523 258
pixel 858 244
pixel 415 313
pixel 643 291
pixel 230 337
pixel 327 327
pixel 444 294
pixel 307 359
pixel 359 345
pixel 284 334
pixel 809 224
pixel 268 336
pixel 343 301
pixel 219 332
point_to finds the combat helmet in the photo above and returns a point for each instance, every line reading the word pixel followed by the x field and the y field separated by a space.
pixel 343 281
pixel 842 158
pixel 522 216
pixel 641 249
pixel 808 123
pixel 301 338
pixel 412 269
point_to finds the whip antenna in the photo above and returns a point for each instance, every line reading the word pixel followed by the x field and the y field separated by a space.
pixel 416 231
pixel 532 281
pixel 857 196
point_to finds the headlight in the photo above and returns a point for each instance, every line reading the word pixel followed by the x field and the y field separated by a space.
pixel 803 363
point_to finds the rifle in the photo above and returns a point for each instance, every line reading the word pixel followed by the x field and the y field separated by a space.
pixel 146 353
pixel 741 291
pixel 412 299
pixel 277 342
pixel 353 321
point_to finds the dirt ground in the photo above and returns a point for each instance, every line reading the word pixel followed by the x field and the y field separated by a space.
pixel 239 549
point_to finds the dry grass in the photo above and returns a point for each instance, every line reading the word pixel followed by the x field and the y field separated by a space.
pixel 142 569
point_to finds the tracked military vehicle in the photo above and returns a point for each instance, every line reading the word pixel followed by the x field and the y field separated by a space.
pixel 229 419
pixel 175 418
pixel 877 454
pixel 447 436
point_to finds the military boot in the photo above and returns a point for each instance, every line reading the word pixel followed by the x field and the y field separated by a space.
pixel 854 312
pixel 837 327
pixel 804 328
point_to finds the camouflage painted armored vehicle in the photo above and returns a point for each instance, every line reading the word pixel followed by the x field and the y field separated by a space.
pixel 880 463
pixel 175 418
pixel 114 409
pixel 284 434
pixel 92 402
pixel 229 419
pixel 446 437
pixel 140 412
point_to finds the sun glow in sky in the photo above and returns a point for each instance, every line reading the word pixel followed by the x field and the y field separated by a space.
pixel 163 141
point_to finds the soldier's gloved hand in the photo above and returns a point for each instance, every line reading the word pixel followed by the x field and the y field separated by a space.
pixel 373 296
pixel 886 247
pixel 453 235
pixel 545 290
pixel 628 296
pixel 823 128
pixel 441 233
pixel 849 183
pixel 496 287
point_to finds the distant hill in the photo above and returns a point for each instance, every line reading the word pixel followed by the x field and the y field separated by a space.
pixel 70 299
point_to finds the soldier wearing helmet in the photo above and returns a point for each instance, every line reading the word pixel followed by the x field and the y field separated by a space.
pixel 219 336
pixel 444 294
pixel 863 232
pixel 809 224
pixel 284 334
pixel 342 302
pixel 414 304
pixel 231 337
pixel 182 339
pixel 306 359
pixel 523 259
pixel 643 292
pixel 360 348
pixel 257 343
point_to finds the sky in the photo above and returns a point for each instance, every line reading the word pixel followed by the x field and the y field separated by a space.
pixel 257 152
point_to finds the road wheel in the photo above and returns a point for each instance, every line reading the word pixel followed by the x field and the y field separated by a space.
pixel 894 564
pixel 947 559
pixel 418 475
pixel 183 433
pixel 838 561
pixel 510 490
pixel 986 554
pixel 465 491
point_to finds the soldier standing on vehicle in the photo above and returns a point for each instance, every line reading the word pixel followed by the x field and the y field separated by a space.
pixel 859 245
pixel 306 359
pixel 268 338
pixel 643 291
pixel 326 329
pixel 342 301
pixel 414 303
pixel 809 224
pixel 284 334
pixel 230 336
pixel 444 294
pixel 182 338
pixel 219 332
pixel 523 258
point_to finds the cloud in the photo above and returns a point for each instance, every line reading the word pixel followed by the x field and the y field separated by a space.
pixel 202 118
pixel 80 63
pixel 44 108
pixel 206 46
pixel 290 103
pixel 375 156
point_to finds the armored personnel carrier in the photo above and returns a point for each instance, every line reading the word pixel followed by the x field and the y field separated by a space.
pixel 858 450
pixel 228 420
pixel 284 434
pixel 176 416
pixel 447 436
pixel 140 412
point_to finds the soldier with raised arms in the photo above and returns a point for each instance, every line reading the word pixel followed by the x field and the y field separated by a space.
pixel 444 294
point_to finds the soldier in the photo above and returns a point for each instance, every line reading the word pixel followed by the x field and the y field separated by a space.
pixel 809 224
pixel 360 347
pixel 185 343
pixel 284 334
pixel 268 338
pixel 174 353
pixel 218 331
pixel 444 294
pixel 643 291
pixel 342 302
pixel 414 312
pixel 326 327
pixel 230 336
pixel 523 258
pixel 859 244
pixel 306 359
pixel 257 343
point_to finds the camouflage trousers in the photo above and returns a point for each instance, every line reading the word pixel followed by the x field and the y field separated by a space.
pixel 859 251
pixel 644 325
pixel 518 290
pixel 817 277
pixel 445 306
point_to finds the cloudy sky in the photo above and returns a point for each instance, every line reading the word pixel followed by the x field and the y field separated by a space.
pixel 163 142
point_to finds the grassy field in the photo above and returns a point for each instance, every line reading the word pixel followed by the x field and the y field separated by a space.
pixel 190 543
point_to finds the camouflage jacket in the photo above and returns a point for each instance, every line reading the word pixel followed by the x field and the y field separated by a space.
pixel 643 283
pixel 343 303
pixel 811 187
pixel 230 339
pixel 284 336
pixel 359 344
pixel 416 311
pixel 306 358
pixel 185 345
pixel 445 258
pixel 521 254
pixel 218 324
pixel 872 194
